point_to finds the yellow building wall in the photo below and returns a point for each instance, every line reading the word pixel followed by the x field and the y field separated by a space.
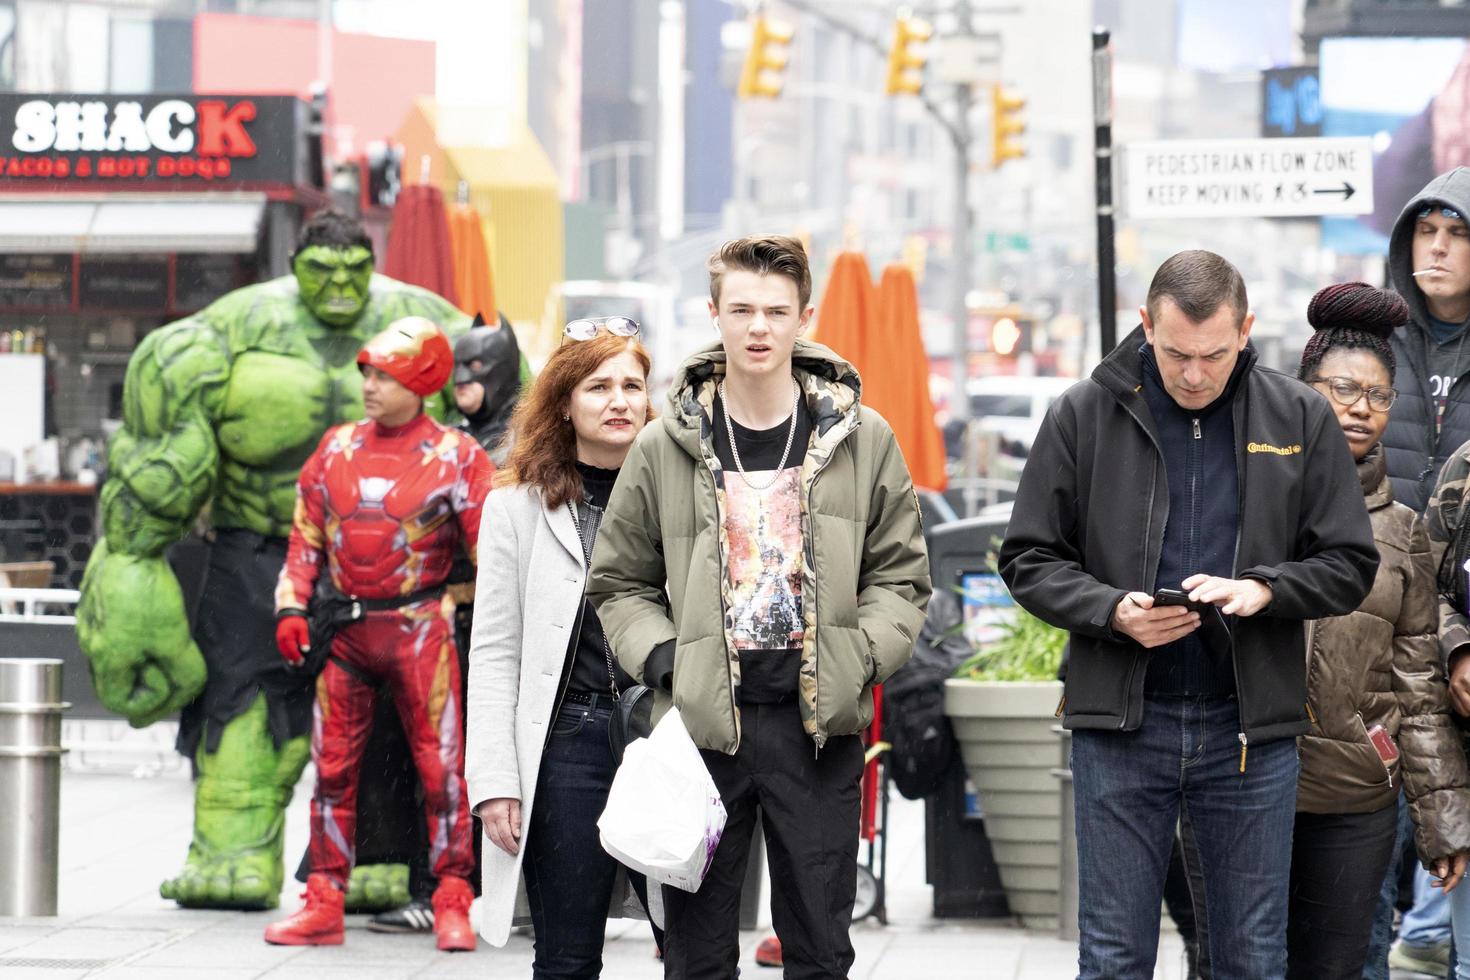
pixel 515 189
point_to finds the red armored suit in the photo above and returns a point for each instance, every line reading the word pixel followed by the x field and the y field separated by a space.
pixel 387 510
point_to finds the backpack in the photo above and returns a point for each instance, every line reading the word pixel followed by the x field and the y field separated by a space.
pixel 914 722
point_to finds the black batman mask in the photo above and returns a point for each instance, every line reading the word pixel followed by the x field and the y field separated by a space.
pixel 491 356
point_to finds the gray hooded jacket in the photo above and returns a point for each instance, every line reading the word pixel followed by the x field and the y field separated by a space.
pixel 1415 446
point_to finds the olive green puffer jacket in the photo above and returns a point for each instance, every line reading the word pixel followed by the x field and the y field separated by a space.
pixel 1380 665
pixel 657 571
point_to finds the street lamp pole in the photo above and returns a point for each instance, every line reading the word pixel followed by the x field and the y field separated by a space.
pixel 1102 113
pixel 963 246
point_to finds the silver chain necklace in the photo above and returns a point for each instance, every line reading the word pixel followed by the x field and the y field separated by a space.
pixel 790 437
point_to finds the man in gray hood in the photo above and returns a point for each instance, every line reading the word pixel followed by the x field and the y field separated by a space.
pixel 1429 262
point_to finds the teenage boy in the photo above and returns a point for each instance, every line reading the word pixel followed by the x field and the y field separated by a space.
pixel 762 566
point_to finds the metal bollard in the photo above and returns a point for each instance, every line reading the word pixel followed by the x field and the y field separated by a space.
pixel 30 784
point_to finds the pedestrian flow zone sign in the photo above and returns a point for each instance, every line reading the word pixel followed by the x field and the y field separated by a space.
pixel 1280 178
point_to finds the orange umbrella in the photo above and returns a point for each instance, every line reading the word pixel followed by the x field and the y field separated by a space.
pixel 898 386
pixel 473 280
pixel 846 313
pixel 418 241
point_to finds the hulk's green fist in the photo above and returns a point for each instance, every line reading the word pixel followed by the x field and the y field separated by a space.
pixel 132 627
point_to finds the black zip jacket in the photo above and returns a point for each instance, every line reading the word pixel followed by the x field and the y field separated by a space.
pixel 1088 524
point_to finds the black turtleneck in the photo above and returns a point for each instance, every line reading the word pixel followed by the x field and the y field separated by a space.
pixel 586 651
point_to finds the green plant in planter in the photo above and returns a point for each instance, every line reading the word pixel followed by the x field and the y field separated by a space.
pixel 1028 650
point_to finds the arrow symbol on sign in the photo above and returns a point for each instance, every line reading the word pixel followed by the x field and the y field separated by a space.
pixel 1346 190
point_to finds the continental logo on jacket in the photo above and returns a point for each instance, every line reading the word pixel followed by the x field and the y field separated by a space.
pixel 1266 447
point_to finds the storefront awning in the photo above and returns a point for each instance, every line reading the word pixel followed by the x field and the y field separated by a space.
pixel 130 224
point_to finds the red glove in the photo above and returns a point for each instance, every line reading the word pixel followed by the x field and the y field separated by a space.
pixel 292 639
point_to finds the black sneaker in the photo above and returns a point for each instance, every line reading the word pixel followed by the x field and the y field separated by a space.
pixel 416 916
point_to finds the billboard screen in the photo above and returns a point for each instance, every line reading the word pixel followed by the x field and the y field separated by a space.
pixel 1411 96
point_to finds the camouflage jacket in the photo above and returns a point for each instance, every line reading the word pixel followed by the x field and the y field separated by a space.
pixel 1442 517
pixel 1380 665
pixel 865 572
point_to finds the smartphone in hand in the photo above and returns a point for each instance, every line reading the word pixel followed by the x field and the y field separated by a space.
pixel 1176 597
pixel 1213 630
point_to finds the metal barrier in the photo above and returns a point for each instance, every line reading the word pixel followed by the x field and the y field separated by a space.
pixel 30 784
pixel 35 605
pixel 38 624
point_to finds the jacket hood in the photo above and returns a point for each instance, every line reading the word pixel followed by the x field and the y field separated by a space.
pixel 831 386
pixel 1121 372
pixel 1452 189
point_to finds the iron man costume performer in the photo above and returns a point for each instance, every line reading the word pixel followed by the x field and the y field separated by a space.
pixel 385 510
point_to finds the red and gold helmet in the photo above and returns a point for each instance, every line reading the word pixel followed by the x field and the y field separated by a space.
pixel 414 352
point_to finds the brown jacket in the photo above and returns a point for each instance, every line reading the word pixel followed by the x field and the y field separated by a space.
pixel 1380 665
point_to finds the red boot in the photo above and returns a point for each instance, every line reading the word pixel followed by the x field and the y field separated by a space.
pixel 319 923
pixel 452 914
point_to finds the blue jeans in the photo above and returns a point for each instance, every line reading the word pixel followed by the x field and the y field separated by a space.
pixel 1428 922
pixel 569 877
pixel 1130 787
pixel 1459 902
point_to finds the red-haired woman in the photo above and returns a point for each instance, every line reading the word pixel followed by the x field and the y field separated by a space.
pixel 540 691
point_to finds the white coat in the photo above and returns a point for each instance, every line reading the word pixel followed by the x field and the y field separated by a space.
pixel 528 591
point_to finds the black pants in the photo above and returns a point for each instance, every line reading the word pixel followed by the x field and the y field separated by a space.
pixel 1338 862
pixel 236 631
pixel 809 804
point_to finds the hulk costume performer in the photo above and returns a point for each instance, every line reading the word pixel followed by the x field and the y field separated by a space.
pixel 221 409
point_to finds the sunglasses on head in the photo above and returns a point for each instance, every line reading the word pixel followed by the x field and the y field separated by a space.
pixel 1429 209
pixel 589 327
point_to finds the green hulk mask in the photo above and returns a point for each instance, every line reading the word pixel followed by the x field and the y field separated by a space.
pixel 334 281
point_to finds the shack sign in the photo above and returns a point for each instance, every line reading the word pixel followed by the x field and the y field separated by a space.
pixel 163 141
pixel 1282 178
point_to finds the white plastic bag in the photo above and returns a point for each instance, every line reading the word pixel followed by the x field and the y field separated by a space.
pixel 664 816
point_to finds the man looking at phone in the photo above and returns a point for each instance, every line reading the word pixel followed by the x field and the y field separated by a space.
pixel 1183 464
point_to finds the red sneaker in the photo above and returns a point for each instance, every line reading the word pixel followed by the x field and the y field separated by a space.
pixel 768 953
pixel 319 923
pixel 452 914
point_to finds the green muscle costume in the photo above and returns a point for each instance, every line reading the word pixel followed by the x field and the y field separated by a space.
pixel 220 411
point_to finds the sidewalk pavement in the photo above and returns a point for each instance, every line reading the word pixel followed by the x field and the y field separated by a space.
pixel 124 828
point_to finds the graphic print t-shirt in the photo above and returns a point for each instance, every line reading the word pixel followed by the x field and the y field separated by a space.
pixel 763 563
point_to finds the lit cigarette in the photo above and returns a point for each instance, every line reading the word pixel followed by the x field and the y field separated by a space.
pixel 1425 272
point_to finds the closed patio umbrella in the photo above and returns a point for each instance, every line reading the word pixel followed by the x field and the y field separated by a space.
pixel 474 281
pixel 897 386
pixel 418 242
pixel 846 311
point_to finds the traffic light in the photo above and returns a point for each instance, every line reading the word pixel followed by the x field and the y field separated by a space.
pixel 760 78
pixel 1006 124
pixel 905 63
